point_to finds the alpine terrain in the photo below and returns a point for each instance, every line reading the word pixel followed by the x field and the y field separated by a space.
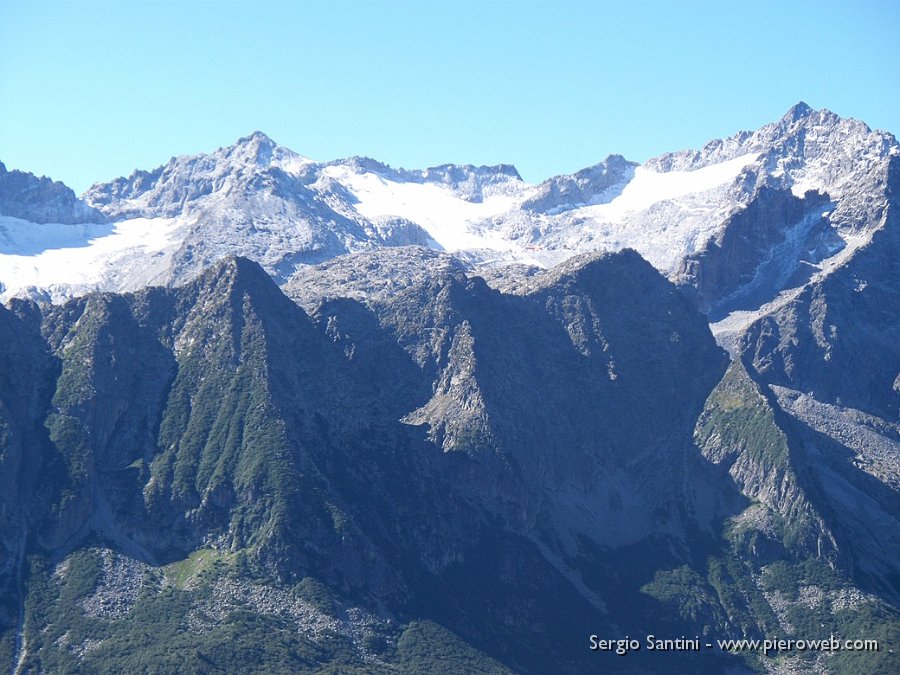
pixel 260 413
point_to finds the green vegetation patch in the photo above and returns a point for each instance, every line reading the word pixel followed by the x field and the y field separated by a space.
pixel 428 648
pixel 201 565
pixel 740 417
pixel 824 603
pixel 175 623
pixel 688 593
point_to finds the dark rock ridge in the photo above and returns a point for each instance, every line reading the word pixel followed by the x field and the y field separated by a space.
pixel 562 350
pixel 433 454
pixel 838 338
pixel 770 245
pixel 831 357
pixel 513 467
pixel 769 468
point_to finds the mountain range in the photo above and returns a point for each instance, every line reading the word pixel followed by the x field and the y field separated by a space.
pixel 261 413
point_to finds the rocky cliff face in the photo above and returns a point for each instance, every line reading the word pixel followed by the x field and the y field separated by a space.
pixel 526 385
pixel 815 193
pixel 426 453
pixel 771 245
pixel 41 200
pixel 593 185
pixel 739 431
pixel 845 324
pixel 830 358
pixel 417 446
pixel 26 370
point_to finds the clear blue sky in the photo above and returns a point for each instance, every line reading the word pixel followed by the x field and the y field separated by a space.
pixel 92 90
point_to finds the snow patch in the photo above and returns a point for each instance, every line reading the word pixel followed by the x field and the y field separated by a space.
pixel 452 222
pixel 292 163
pixel 43 256
pixel 649 187
pixel 662 215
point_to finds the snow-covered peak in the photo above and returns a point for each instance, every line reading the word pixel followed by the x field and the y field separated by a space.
pixel 806 149
pixel 466 181
pixel 261 200
pixel 452 213
pixel 818 150
pixel 259 150
pixel 186 180
pixel 788 138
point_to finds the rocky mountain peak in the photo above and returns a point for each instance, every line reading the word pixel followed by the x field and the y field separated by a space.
pixel 234 277
pixel 798 111
pixel 592 267
pixel 41 200
pixel 592 185
pixel 257 138
pixel 259 150
pixel 238 270
pixel 256 198
pixel 256 148
pixel 184 181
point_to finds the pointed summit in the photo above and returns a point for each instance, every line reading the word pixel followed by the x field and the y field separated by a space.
pixel 256 148
pixel 257 137
pixel 237 273
pixel 797 112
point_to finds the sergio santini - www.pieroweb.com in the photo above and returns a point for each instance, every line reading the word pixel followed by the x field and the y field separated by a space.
pixel 767 645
